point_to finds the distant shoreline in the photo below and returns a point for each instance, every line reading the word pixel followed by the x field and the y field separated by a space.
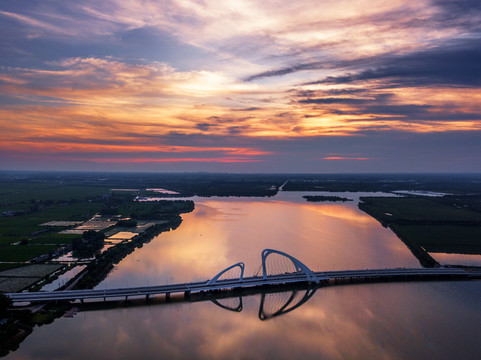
pixel 323 198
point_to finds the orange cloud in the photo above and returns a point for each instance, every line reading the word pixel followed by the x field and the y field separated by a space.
pixel 345 158
pixel 90 98
pixel 48 145
pixel 171 160
pixel 109 105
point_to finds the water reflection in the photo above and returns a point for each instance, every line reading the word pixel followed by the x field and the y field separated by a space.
pixel 225 231
pixel 457 259
pixel 274 300
pixel 277 304
pixel 63 279
pixel 228 305
pixel 391 321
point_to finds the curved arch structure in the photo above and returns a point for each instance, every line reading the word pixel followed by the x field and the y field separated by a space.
pixel 287 307
pixel 215 278
pixel 300 267
pixel 230 308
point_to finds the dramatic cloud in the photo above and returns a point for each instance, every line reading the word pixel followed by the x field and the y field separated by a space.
pixel 453 65
pixel 239 86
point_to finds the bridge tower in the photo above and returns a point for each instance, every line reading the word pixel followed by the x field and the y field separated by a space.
pixel 299 266
pixel 239 265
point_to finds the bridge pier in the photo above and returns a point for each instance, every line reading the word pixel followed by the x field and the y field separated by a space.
pixel 187 295
pixel 167 297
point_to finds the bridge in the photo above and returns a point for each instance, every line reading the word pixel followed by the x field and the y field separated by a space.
pixel 299 274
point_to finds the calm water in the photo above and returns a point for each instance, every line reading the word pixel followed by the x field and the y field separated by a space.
pixel 438 320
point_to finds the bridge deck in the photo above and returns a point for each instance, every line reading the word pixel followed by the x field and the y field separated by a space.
pixel 323 278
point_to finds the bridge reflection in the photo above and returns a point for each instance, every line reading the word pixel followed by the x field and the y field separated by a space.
pixel 273 305
pixel 274 300
pixel 281 291
pixel 227 305
pixel 274 274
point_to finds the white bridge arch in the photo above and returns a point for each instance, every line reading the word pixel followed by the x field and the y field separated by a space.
pixel 299 266
pixel 239 264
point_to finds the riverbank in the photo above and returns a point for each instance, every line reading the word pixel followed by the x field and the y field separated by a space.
pixel 428 225
pixel 18 324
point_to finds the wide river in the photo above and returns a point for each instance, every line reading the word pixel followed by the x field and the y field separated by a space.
pixel 415 320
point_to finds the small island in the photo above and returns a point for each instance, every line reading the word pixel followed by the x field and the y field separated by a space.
pixel 319 198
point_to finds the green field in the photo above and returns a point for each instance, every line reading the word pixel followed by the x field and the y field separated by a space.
pixel 40 202
pixel 57 239
pixel 151 210
pixel 23 253
pixel 414 209
pixel 436 225
pixel 19 227
pixel 37 203
pixel 444 238
pixel 10 266
pixel 23 195
pixel 29 204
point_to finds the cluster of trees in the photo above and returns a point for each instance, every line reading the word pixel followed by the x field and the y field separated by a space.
pixel 5 303
pixel 37 205
pixel 320 198
pixel 90 242
pixel 162 210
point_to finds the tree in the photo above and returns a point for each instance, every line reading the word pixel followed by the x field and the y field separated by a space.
pixel 5 303
pixel 127 223
pixel 87 246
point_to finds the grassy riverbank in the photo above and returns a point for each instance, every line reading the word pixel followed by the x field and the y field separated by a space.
pixel 429 225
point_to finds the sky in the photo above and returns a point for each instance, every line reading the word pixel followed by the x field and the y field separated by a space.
pixel 240 86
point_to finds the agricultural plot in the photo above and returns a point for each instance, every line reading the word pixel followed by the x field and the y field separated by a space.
pixel 122 235
pixel 61 223
pixel 22 253
pixel 43 218
pixel 416 210
pixel 19 278
pixel 453 239
pixel 34 212
pixel 429 225
pixel 97 223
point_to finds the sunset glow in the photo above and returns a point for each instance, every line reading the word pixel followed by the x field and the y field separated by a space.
pixel 240 86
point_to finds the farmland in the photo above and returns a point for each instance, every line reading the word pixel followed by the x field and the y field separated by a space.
pixel 445 224
pixel 40 217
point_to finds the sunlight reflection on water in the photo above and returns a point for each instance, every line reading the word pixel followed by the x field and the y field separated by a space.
pixel 387 321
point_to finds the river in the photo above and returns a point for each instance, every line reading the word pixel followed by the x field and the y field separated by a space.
pixel 418 320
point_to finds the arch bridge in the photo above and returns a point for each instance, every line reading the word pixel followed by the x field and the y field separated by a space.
pixel 274 265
